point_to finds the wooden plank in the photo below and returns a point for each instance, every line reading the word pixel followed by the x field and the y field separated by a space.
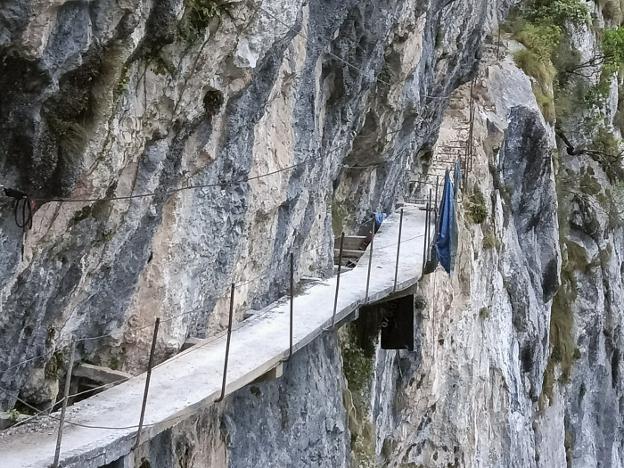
pixel 351 242
pixel 99 374
pixel 272 374
pixel 349 253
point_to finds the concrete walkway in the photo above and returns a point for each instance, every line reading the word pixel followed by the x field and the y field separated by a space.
pixel 191 380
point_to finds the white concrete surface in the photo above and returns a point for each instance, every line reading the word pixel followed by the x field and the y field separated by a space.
pixel 192 380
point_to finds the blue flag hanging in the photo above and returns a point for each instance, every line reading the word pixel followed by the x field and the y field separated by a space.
pixel 446 243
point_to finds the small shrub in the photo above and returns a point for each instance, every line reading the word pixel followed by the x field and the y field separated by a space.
pixel 558 11
pixel 613 47
pixel 198 15
pixel 122 82
pixel 484 313
pixel 542 40
pixel 537 64
pixel 608 153
pixel 490 241
pixel 546 103
pixel 476 209
pixel 589 184
pixel 14 415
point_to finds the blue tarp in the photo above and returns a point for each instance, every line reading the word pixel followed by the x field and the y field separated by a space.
pixel 379 218
pixel 446 242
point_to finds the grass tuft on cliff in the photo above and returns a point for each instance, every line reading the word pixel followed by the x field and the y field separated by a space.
pixel 538 26
pixel 475 208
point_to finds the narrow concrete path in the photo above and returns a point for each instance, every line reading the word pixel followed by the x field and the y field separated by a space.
pixel 191 380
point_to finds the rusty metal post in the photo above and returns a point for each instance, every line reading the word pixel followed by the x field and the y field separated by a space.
pixel 396 269
pixel 342 236
pixel 436 203
pixel 59 437
pixel 433 207
pixel 436 189
pixel 370 258
pixel 227 345
pixel 292 300
pixel 426 238
pixel 150 363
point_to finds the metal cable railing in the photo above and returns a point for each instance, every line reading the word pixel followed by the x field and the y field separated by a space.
pixel 62 419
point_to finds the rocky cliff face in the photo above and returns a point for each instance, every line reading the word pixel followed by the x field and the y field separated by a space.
pixel 284 122
pixel 521 358
pixel 471 398
pixel 114 99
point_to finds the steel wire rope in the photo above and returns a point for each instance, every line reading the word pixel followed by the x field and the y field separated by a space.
pixel 213 339
pixel 168 319
pixel 68 421
pixel 220 184
pixel 171 318
pixel 85 200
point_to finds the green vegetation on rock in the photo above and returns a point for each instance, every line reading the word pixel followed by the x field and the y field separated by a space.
pixel 358 355
pixel 198 15
pixel 490 241
pixel 564 350
pixel 539 27
pixel 339 215
pixel 475 208
pixel 565 85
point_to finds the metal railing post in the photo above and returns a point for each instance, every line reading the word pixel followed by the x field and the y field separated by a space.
pixel 59 437
pixel 436 189
pixel 292 300
pixel 434 207
pixel 396 269
pixel 227 344
pixel 370 258
pixel 426 238
pixel 150 363
pixel 342 236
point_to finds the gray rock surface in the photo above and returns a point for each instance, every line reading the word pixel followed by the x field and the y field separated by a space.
pixel 144 97
pixel 112 98
pixel 297 420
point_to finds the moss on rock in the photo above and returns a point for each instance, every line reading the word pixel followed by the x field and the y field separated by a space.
pixel 357 345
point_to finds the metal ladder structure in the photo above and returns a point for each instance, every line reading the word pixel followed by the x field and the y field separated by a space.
pixel 425 189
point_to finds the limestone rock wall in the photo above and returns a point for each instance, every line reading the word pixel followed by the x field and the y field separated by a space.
pixel 470 397
pixel 338 101
pixel 520 357
pixel 109 99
